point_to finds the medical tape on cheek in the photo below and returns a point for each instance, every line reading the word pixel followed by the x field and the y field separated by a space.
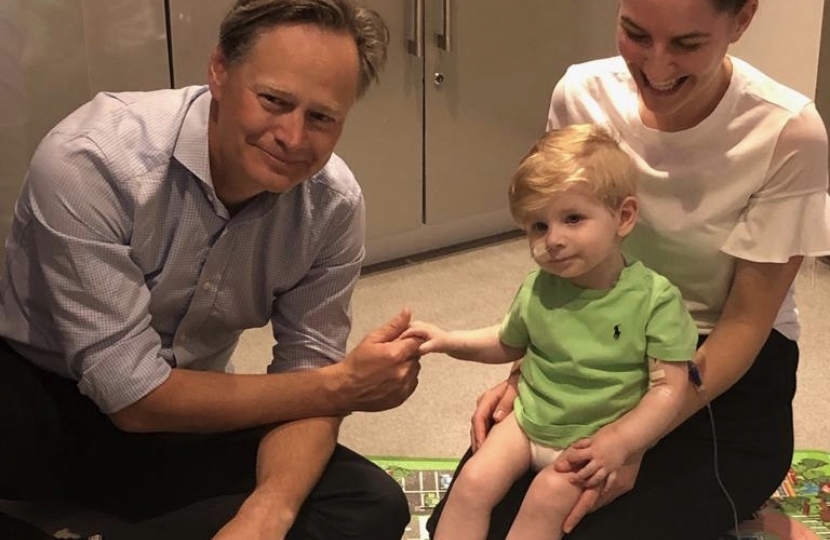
pixel 540 251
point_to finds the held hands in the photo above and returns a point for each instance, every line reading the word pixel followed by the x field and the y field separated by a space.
pixel 434 340
pixel 381 372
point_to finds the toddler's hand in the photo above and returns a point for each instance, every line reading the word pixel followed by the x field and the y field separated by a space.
pixel 601 457
pixel 433 338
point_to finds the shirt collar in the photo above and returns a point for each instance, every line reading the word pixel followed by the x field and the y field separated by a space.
pixel 192 145
pixel 191 148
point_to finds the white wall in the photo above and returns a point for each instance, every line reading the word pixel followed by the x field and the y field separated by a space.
pixel 783 41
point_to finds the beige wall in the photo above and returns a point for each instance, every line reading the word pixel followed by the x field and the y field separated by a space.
pixel 823 82
pixel 783 41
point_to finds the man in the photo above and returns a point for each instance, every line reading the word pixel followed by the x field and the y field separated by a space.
pixel 153 228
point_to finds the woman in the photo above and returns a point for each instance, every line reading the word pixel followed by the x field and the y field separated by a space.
pixel 734 195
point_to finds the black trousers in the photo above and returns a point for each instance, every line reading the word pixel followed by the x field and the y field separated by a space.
pixel 677 495
pixel 55 445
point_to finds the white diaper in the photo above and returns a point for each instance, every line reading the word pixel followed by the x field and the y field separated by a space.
pixel 542 455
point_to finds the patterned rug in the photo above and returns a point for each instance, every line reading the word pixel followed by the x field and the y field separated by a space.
pixel 799 510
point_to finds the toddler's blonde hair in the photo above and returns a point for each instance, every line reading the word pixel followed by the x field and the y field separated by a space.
pixel 580 155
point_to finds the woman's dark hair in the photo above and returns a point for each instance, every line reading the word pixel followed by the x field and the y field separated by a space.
pixel 732 6
pixel 247 19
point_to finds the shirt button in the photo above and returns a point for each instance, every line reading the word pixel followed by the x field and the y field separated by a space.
pixel 207 286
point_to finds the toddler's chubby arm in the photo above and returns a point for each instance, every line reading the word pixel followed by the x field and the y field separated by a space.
pixel 637 430
pixel 481 345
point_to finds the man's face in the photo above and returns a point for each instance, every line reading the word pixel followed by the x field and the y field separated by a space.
pixel 280 110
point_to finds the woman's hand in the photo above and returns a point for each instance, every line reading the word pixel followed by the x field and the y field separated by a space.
pixel 492 407
pixel 570 460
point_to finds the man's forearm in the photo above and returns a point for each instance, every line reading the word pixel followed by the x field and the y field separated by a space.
pixel 379 373
pixel 290 462
pixel 198 401
pixel 743 328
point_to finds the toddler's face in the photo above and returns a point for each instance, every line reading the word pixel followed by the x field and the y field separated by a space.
pixel 576 237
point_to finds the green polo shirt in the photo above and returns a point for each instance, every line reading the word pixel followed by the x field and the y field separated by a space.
pixel 587 350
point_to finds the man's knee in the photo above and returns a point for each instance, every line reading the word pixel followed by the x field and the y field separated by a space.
pixel 30 432
pixel 397 506
pixel 387 513
pixel 362 503
pixel 28 462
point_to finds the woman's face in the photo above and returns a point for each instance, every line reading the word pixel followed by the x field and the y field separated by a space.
pixel 676 52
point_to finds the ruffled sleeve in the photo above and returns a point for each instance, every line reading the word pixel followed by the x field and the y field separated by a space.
pixel 790 214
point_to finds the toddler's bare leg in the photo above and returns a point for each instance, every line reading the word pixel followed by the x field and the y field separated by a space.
pixel 504 457
pixel 546 505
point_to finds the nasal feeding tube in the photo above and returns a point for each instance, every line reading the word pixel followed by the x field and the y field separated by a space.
pixel 540 251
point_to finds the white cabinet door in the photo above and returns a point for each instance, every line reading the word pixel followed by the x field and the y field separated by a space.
pixel 54 56
pixel 194 32
pixel 487 97
pixel 383 139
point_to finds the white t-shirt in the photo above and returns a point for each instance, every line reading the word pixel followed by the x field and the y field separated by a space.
pixel 748 182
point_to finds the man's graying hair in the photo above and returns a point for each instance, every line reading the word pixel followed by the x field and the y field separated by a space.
pixel 247 19
pixel 732 6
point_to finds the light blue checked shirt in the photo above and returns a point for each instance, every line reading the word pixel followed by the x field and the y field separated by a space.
pixel 122 262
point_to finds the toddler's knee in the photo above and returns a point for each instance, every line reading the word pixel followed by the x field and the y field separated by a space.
pixel 473 478
pixel 549 482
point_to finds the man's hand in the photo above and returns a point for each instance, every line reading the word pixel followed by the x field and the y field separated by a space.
pixel 492 407
pixel 381 372
pixel 595 497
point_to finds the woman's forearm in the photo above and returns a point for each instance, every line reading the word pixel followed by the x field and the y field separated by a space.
pixel 743 328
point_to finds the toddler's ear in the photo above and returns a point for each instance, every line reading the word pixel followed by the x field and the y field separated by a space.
pixel 627 216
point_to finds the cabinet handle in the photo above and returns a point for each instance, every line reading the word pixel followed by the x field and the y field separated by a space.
pixel 444 40
pixel 416 46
